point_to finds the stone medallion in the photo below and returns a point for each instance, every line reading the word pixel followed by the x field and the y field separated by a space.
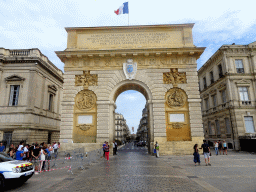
pixel 176 98
pixel 85 100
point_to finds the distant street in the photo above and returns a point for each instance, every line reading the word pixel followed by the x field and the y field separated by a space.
pixel 134 170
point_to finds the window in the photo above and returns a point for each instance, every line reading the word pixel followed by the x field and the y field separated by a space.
pixel 50 107
pixel 210 128
pixel 220 70
pixel 217 123
pixel 211 76
pixel 223 95
pixel 14 95
pixel 243 92
pixel 228 127
pixel 204 81
pixel 214 100
pixel 239 66
pixel 249 125
pixel 206 103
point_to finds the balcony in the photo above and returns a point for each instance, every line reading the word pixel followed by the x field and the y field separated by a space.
pixel 240 70
pixel 246 103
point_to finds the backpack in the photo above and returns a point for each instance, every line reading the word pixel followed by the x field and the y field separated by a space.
pixel 205 148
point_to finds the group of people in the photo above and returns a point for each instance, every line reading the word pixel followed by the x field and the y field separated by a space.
pixel 218 146
pixel 105 148
pixel 36 153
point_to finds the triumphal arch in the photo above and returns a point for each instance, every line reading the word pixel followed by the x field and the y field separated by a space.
pixel 159 61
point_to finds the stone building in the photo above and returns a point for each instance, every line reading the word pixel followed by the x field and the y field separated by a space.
pixel 30 94
pixel 121 128
pixel 142 131
pixel 228 92
pixel 159 61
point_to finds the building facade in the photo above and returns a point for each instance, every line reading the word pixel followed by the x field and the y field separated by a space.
pixel 30 94
pixel 122 131
pixel 142 132
pixel 228 93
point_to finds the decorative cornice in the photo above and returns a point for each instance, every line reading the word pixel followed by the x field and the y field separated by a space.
pixel 14 78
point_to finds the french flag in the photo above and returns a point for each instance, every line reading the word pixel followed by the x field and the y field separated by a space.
pixel 123 9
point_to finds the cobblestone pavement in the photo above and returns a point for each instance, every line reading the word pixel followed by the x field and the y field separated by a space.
pixel 134 170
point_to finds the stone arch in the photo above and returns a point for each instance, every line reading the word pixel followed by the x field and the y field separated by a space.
pixel 144 90
pixel 130 85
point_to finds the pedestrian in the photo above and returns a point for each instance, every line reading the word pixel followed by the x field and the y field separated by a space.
pixel 36 153
pixel 216 147
pixel 55 147
pixel 225 148
pixel 21 145
pixel 206 150
pixel 114 148
pixel 11 153
pixel 48 157
pixel 103 147
pixel 43 158
pixel 196 155
pixel 26 152
pixel 2 147
pixel 107 151
pixel 20 154
pixel 220 146
pixel 157 149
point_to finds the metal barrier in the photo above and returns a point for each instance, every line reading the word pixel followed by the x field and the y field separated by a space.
pixel 71 160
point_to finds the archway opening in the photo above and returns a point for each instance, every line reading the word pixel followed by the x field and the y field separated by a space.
pixel 131 119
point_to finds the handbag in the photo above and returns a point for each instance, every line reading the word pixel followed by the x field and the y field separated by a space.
pixel 154 150
pixel 210 154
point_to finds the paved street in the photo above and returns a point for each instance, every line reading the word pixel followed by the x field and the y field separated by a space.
pixel 134 170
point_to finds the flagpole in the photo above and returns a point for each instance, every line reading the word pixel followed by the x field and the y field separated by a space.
pixel 128 13
pixel 128 19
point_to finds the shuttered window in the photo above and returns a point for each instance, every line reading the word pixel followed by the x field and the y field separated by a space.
pixel 14 95
pixel 249 125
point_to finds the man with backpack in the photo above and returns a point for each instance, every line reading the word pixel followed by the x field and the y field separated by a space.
pixel 206 151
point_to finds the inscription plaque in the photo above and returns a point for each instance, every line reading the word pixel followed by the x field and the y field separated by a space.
pixel 176 118
pixel 125 40
pixel 85 119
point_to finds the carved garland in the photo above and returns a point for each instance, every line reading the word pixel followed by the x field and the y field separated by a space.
pixel 85 127
pixel 177 125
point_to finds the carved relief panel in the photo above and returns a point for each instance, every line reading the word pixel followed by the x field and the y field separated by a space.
pixel 177 115
pixel 85 114
pixel 174 77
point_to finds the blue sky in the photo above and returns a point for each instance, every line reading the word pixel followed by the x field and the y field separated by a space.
pixel 40 24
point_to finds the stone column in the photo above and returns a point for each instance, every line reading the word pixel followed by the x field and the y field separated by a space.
pixel 151 127
pixel 104 109
pixel 31 92
pixel 253 60
pixel 43 94
pixel 67 110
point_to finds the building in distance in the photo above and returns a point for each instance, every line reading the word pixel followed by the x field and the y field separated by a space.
pixel 122 132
